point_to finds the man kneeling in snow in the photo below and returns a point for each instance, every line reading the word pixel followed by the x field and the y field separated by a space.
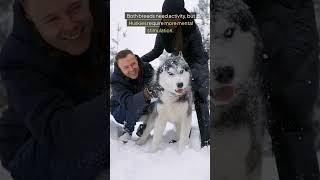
pixel 131 97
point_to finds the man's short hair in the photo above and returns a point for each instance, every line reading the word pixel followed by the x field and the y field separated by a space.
pixel 122 54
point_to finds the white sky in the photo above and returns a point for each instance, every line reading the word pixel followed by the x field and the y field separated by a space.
pixel 136 40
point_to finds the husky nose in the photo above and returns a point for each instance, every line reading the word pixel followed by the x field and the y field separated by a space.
pixel 224 74
pixel 179 85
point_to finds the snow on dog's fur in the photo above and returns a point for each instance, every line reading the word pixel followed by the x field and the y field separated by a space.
pixel 174 104
pixel 236 98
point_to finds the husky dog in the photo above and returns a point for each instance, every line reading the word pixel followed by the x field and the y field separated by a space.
pixel 174 104
pixel 236 98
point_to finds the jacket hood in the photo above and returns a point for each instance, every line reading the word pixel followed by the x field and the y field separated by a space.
pixel 23 29
pixel 173 7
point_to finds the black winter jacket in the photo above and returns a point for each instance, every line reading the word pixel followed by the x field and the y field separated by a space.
pixel 193 50
pixel 290 37
pixel 53 98
pixel 129 93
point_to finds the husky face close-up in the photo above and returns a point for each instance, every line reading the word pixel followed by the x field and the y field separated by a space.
pixel 174 75
pixel 174 104
pixel 234 45
pixel 235 91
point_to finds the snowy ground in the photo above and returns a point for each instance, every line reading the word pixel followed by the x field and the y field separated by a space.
pixel 133 162
pixel 130 161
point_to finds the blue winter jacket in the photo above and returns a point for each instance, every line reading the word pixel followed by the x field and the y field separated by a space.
pixel 53 98
pixel 129 93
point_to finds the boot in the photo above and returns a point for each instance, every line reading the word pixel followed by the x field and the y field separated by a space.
pixel 125 137
pixel 203 121
pixel 140 129
pixel 126 134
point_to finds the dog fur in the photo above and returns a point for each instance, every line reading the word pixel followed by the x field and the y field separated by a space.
pixel 174 104
pixel 237 104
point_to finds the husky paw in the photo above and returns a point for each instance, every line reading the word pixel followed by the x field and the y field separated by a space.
pixel 182 147
pixel 153 150
pixel 141 141
pixel 180 150
pixel 253 159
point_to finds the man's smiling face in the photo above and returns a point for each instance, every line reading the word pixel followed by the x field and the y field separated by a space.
pixel 64 24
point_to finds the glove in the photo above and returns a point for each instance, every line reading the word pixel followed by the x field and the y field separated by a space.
pixel 154 90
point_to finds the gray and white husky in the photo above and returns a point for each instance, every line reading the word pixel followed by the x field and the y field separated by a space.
pixel 237 104
pixel 174 104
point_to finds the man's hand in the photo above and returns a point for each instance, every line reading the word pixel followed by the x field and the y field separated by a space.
pixel 154 91
pixel 147 95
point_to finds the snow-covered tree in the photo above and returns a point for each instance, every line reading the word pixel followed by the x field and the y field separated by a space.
pixel 316 116
pixel 203 21
pixel 6 20
pixel 115 41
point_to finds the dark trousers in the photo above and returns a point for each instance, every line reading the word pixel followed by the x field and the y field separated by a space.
pixel 35 161
pixel 200 84
pixel 129 120
pixel 122 116
pixel 291 129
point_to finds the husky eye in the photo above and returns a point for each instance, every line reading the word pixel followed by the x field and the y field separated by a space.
pixel 170 73
pixel 228 33
pixel 181 71
pixel 186 69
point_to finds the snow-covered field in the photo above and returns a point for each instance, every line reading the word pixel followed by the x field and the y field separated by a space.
pixel 130 161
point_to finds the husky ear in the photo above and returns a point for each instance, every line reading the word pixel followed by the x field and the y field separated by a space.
pixel 160 70
pixel 180 54
pixel 244 19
